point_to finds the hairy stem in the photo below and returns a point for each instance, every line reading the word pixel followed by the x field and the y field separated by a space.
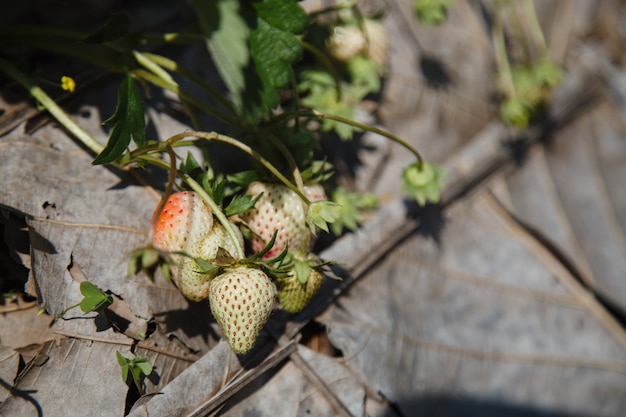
pixel 319 115
pixel 247 149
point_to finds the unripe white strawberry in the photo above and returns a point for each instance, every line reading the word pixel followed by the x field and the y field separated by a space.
pixel 280 209
pixel 186 224
pixel 377 42
pixel 346 42
pixel 241 300
pixel 296 289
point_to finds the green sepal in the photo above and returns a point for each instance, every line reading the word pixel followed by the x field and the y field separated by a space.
pixel 422 182
pixel 321 213
pixel 259 255
pixel 302 271
pixel 351 205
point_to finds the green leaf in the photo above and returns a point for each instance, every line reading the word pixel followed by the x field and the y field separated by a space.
pixel 243 178
pixel 273 47
pixel 144 366
pixel 240 204
pixel 226 34
pixel 128 122
pixel 94 298
pixel 364 73
pixel 116 27
pixel 138 365
pixel 548 73
pixel 320 94
pixel 190 165
pixel 253 45
pixel 123 362
pixel 205 267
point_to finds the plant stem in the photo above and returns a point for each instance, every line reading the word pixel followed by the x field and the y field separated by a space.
pixel 172 65
pixel 64 312
pixel 297 177
pixel 319 115
pixel 217 212
pixel 535 27
pixel 504 67
pixel 144 60
pixel 50 105
pixel 328 65
pixel 247 149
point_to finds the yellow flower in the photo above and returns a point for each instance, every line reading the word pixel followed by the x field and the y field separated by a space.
pixel 68 84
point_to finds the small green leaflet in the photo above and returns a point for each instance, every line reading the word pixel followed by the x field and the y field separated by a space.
pixel 240 204
pixel 128 122
pixel 137 365
pixel 94 298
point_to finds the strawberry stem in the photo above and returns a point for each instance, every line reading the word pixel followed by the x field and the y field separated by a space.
pixel 247 149
pixel 319 115
pixel 177 140
pixel 217 211
pixel 297 176
pixel 328 65
pixel 535 27
pixel 504 66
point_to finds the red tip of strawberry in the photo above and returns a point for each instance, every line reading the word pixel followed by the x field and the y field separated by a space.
pixel 183 222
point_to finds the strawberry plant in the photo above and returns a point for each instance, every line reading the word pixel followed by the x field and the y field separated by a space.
pixel 526 81
pixel 240 236
pixel 431 12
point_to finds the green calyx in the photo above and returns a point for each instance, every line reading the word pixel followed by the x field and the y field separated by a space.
pixel 423 182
